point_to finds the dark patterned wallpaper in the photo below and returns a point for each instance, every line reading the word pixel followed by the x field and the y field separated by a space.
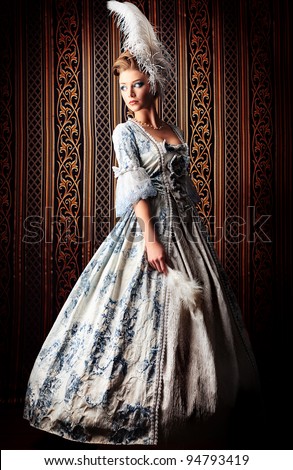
pixel 59 104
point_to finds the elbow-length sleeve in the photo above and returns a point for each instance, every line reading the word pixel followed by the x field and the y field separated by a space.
pixel 133 182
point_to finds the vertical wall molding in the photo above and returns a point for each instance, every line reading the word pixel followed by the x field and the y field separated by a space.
pixel 107 112
pixel 245 159
pixel 49 166
pixel 68 149
pixel 262 161
pixel 219 131
pixel 201 139
pixel 32 239
pixel 20 125
pixel 232 222
pixel 88 119
pixel 6 190
pixel 182 118
pixel 167 13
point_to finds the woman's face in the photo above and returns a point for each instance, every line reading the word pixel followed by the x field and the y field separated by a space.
pixel 135 90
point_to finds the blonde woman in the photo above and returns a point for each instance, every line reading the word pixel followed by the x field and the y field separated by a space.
pixel 149 348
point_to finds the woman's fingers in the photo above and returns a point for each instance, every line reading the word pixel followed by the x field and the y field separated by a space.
pixel 152 264
pixel 163 266
pixel 156 257
pixel 159 265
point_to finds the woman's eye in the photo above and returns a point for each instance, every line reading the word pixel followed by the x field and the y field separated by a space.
pixel 123 88
pixel 138 84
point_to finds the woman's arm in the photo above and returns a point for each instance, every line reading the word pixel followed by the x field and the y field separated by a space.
pixel 156 254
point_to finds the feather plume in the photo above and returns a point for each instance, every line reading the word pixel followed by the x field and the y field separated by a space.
pixel 187 290
pixel 201 375
pixel 140 39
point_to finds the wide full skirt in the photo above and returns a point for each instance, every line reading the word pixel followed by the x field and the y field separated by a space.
pixel 128 361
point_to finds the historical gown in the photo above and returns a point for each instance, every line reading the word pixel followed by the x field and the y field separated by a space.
pixel 126 361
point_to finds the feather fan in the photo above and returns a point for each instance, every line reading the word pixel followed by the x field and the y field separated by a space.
pixel 187 290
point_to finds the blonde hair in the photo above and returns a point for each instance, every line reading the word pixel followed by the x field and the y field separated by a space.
pixel 126 61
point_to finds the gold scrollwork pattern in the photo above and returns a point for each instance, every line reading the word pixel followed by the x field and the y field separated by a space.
pixel 200 104
pixel 68 148
pixel 262 139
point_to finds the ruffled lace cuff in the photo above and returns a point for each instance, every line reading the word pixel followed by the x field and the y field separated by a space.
pixel 133 184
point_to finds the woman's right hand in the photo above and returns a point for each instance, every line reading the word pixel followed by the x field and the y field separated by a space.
pixel 156 256
pixel 155 251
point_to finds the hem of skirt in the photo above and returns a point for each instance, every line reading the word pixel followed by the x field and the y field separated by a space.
pixel 93 441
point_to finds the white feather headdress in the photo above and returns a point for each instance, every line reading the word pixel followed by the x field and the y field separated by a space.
pixel 141 41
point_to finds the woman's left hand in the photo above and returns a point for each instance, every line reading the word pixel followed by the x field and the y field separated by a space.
pixel 156 256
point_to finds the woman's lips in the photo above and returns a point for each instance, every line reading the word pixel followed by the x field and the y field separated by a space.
pixel 132 102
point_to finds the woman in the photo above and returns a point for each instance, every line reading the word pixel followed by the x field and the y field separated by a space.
pixel 128 360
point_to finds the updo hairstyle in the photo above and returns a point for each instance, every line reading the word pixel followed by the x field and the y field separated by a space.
pixel 125 61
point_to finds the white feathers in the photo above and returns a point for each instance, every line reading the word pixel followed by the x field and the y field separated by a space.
pixel 184 289
pixel 192 343
pixel 140 39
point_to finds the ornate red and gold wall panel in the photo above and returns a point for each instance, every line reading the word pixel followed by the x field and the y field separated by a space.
pixel 59 105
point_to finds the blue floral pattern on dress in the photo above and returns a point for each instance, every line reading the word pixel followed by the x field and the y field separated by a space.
pixel 134 183
pixel 101 372
pixel 130 423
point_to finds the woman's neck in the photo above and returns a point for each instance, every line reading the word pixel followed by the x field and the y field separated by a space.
pixel 148 117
